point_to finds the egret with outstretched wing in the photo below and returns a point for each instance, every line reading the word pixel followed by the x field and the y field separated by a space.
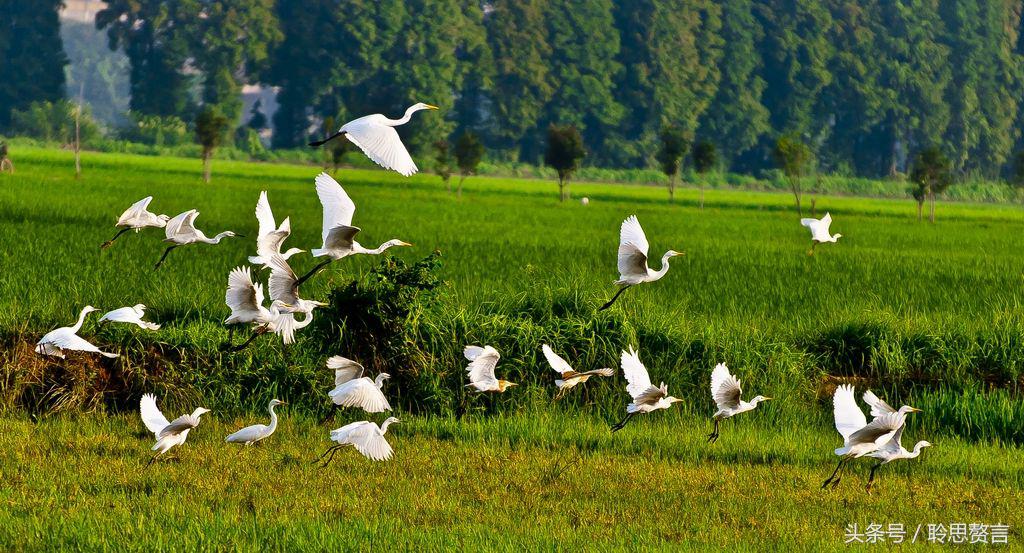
pixel 54 343
pixel 365 436
pixel 646 397
pixel 168 434
pixel 130 315
pixel 137 217
pixel 725 390
pixel 375 135
pixel 482 362
pixel 270 237
pixel 633 268
pixel 182 231
pixel 569 377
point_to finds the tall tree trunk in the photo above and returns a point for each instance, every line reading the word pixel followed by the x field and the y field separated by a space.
pixel 78 134
pixel 795 185
pixel 932 215
pixel 561 188
pixel 672 188
pixel 920 208
pixel 702 195
pixel 448 183
pixel 463 177
pixel 207 154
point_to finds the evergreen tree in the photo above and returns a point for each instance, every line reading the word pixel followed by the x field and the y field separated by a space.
pixel 211 125
pixel 469 151
pixel 32 58
pixel 931 175
pixel 564 153
pixel 670 154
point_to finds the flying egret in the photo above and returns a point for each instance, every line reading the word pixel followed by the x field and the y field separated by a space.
pixel 891 451
pixel 725 390
pixel 252 434
pixel 284 287
pixel 245 298
pixel 66 337
pixel 181 231
pixel 633 267
pixel 481 369
pixel 270 237
pixel 168 434
pixel 352 389
pixel 819 230
pixel 376 137
pixel 131 315
pixel 137 217
pixel 338 233
pixel 570 377
pixel 860 438
pixel 880 407
pixel 646 396
pixel 365 436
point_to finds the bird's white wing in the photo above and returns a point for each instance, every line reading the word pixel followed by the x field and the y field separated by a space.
pixel 174 225
pixel 637 379
pixel 338 207
pixel 282 281
pixel 68 340
pixel 360 393
pixel 633 248
pixel 809 223
pixel 892 447
pixel 264 216
pixel 879 431
pixel 284 325
pixel 849 418
pixel 344 369
pixel 129 315
pixel 560 365
pixel 601 372
pixel 184 422
pixel 368 441
pixel 826 222
pixel 243 294
pixel 878 406
pixel 270 243
pixel 725 388
pixel 154 420
pixel 136 210
pixel 481 368
pixel 472 352
pixel 248 434
pixel 382 144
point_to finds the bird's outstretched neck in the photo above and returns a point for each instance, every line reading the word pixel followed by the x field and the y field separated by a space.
pixel 385 247
pixel 81 319
pixel 384 427
pixel 273 419
pixel 405 118
pixel 664 266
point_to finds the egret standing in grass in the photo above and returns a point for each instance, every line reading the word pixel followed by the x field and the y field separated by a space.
pixel 725 390
pixel 253 434
pixel 181 231
pixel 270 237
pixel 820 231
pixel 569 377
pixel 54 343
pixel 365 436
pixel 137 217
pixel 633 268
pixel 168 434
pixel 352 389
pixel 482 361
pixel 338 233
pixel 646 396
pixel 130 315
pixel 376 137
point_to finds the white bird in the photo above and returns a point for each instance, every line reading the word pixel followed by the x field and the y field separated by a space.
pixel 646 396
pixel 131 315
pixel 168 434
pixel 860 438
pixel 725 390
pixel 352 389
pixel 376 137
pixel 585 200
pixel 570 377
pixel 137 217
pixel 252 434
pixel 338 233
pixel 893 450
pixel 270 237
pixel 181 231
pixel 245 299
pixel 365 436
pixel 819 230
pixel 633 268
pixel 483 360
pixel 284 287
pixel 66 337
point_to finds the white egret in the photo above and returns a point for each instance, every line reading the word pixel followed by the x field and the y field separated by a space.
pixel 252 434
pixel 585 200
pixel 483 360
pixel 168 434
pixel 646 396
pixel 284 287
pixel 893 450
pixel 570 377
pixel 820 230
pixel 377 138
pixel 352 389
pixel 365 436
pixel 131 315
pixel 270 236
pixel 725 390
pixel 880 407
pixel 181 231
pixel 245 298
pixel 633 268
pixel 54 343
pixel 338 233
pixel 137 217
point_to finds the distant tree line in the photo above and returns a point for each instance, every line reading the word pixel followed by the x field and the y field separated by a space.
pixel 866 85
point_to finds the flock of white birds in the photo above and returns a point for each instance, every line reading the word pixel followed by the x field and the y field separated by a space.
pixel 288 313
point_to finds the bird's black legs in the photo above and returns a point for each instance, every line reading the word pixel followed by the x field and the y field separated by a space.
pixel 255 334
pixel 319 143
pixel 833 479
pixel 108 243
pixel 713 436
pixel 332 450
pixel 615 297
pixel 811 251
pixel 151 459
pixel 330 414
pixel 231 338
pixel 307 276
pixel 324 454
pixel 164 256
pixel 871 477
pixel 621 424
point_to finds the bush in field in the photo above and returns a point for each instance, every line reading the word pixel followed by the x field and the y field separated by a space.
pixel 931 175
pixel 793 158
pixel 468 153
pixel 211 125
pixel 443 162
pixel 156 130
pixel 54 122
pixel 564 153
pixel 670 155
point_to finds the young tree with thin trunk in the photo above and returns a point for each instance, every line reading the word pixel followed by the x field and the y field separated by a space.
pixel 443 162
pixel 468 153
pixel 704 159
pixel 932 175
pixel 78 133
pixel 670 155
pixel 564 153
pixel 211 125
pixel 792 157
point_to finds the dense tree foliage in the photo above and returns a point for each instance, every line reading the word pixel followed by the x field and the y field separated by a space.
pixel 31 55
pixel 564 152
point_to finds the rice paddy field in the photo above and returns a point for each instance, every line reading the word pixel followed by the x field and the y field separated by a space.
pixel 927 315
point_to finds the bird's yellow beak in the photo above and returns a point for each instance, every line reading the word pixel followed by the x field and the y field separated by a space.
pixel 915 410
pixel 767 398
pixel 400 243
pixel 431 107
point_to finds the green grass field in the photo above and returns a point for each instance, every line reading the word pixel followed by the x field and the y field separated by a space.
pixel 925 314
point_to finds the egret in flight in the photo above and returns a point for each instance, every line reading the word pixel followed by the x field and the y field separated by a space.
pixel 819 231
pixel 891 451
pixel 131 315
pixel 352 389
pixel 252 434
pixel 137 217
pixel 483 360
pixel 181 231
pixel 245 299
pixel 270 236
pixel 338 233
pixel 365 436
pixel 54 343
pixel 633 267
pixel 376 137
pixel 646 396
pixel 284 287
pixel 168 434
pixel 569 377
pixel 725 390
